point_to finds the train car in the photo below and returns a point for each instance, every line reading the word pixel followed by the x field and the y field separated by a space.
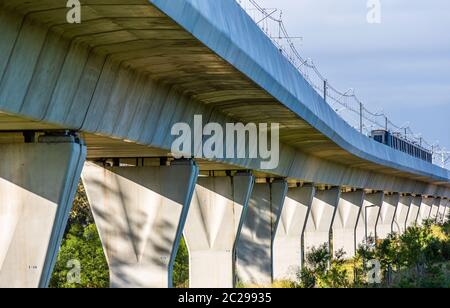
pixel 400 143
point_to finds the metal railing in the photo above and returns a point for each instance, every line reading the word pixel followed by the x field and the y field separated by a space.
pixel 346 104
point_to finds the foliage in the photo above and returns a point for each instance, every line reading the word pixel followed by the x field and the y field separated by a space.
pixel 181 267
pixel 81 243
pixel 323 270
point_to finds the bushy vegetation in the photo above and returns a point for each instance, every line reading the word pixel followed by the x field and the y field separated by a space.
pixel 419 258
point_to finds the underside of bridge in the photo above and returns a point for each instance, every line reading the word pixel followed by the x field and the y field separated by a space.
pixel 120 79
pixel 108 59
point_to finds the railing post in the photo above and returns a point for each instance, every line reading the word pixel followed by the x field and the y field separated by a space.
pixel 361 124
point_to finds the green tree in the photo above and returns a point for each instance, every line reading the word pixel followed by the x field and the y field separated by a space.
pixel 82 245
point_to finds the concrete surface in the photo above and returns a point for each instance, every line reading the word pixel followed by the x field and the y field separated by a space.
pixel 367 222
pixel 255 246
pixel 37 185
pixel 140 213
pixel 213 224
pixel 345 221
pixel 320 218
pixel 288 251
pixel 387 216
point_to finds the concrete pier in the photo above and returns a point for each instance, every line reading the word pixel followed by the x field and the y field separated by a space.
pixel 320 218
pixel 344 225
pixel 367 222
pixel 255 245
pixel 401 214
pixel 414 210
pixel 387 216
pixel 38 182
pixel 442 210
pixel 288 251
pixel 140 213
pixel 435 209
pixel 213 224
pixel 425 210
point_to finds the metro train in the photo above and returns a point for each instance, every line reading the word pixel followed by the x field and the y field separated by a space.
pixel 401 144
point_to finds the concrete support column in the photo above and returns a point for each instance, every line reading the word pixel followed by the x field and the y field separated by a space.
pixel 255 245
pixel 442 211
pixel 435 209
pixel 288 243
pixel 425 210
pixel 344 225
pixel 140 214
pixel 214 222
pixel 401 214
pixel 413 214
pixel 447 211
pixel 320 218
pixel 368 217
pixel 387 215
pixel 38 182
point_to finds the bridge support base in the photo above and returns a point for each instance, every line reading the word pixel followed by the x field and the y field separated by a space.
pixel 345 221
pixel 255 245
pixel 287 246
pixel 413 213
pixel 387 216
pixel 435 209
pixel 368 217
pixel 425 210
pixel 140 214
pixel 214 221
pixel 320 219
pixel 401 214
pixel 442 211
pixel 38 182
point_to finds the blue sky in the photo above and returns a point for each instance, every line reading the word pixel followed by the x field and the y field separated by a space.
pixel 401 66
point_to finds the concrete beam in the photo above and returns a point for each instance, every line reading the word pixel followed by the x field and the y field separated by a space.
pixel 346 219
pixel 255 245
pixel 288 251
pixel 320 219
pixel 435 209
pixel 387 216
pixel 214 222
pixel 425 210
pixel 367 222
pixel 413 213
pixel 38 183
pixel 140 214
pixel 401 214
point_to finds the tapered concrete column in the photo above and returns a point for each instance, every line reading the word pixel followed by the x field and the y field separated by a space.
pixel 447 211
pixel 214 222
pixel 368 217
pixel 344 225
pixel 435 209
pixel 442 210
pixel 255 245
pixel 140 214
pixel 387 215
pixel 401 214
pixel 288 243
pixel 320 219
pixel 38 182
pixel 413 212
pixel 425 210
